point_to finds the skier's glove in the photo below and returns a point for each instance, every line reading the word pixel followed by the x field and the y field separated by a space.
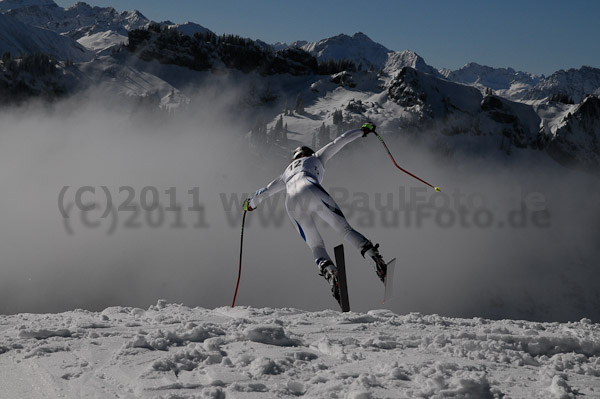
pixel 368 128
pixel 247 206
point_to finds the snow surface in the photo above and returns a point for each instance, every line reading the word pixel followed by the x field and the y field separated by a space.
pixel 102 42
pixel 173 351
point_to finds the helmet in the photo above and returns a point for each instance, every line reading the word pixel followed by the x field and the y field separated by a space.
pixel 301 152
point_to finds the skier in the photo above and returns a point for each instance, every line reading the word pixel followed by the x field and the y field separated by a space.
pixel 306 197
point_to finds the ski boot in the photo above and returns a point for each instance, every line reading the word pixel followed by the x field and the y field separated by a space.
pixel 373 252
pixel 329 272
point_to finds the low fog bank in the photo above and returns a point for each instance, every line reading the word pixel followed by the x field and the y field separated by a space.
pixel 132 256
pixel 505 239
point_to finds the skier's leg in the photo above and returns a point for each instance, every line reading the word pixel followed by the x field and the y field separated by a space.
pixel 300 213
pixel 332 214
pixel 373 252
pixel 300 210
pixel 307 229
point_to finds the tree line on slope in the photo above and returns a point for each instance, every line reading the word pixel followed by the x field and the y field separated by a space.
pixel 206 50
pixel 28 75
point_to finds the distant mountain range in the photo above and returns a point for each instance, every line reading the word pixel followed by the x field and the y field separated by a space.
pixel 77 21
pixel 504 108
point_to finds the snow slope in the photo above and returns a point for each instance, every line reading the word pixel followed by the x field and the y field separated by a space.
pixel 102 42
pixel 17 38
pixel 114 78
pixel 173 351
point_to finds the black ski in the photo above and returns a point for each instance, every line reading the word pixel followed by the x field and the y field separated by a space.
pixel 389 281
pixel 341 273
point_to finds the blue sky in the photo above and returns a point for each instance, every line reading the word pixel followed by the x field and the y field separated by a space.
pixel 534 36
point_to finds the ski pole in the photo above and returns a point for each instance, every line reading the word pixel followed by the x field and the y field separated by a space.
pixel 404 170
pixel 240 268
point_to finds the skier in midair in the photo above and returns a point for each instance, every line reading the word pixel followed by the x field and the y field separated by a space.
pixel 306 198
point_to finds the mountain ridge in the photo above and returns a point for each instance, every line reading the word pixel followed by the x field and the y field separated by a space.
pixel 352 67
pixel 358 48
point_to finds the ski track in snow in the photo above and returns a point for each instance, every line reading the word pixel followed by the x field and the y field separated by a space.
pixel 173 351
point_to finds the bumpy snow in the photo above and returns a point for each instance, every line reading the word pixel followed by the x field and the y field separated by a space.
pixel 173 351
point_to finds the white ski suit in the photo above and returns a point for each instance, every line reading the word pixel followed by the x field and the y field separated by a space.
pixel 306 197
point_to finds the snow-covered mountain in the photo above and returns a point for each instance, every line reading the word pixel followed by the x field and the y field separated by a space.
pixel 576 139
pixel 504 81
pixel 399 59
pixel 463 110
pixel 78 20
pixel 574 84
pixel 190 28
pixel 398 89
pixel 19 38
pixel 358 48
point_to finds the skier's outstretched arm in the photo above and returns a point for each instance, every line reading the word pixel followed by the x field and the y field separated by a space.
pixel 272 188
pixel 332 148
